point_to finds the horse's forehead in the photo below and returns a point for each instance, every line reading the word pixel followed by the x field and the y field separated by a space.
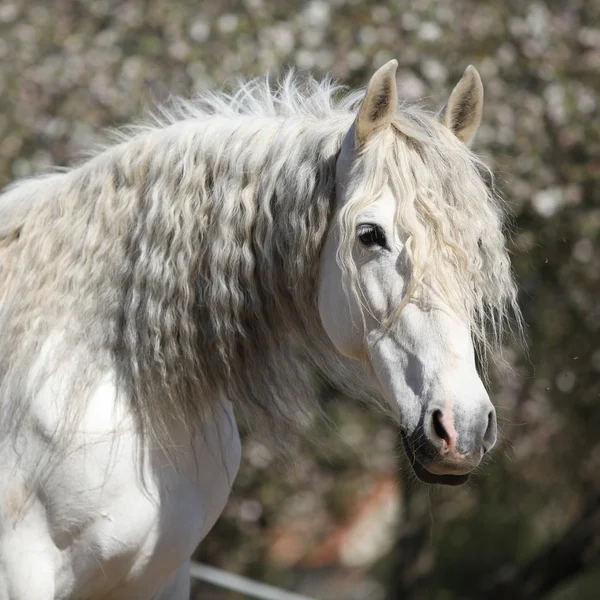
pixel 382 210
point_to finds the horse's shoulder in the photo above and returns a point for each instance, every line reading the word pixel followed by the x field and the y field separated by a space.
pixel 128 515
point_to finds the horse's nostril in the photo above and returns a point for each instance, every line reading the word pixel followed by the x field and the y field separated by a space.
pixel 438 426
pixel 489 437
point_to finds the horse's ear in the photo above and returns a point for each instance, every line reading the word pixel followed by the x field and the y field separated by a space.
pixel 462 113
pixel 379 104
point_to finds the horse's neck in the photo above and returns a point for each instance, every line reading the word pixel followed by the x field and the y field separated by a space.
pixel 234 213
pixel 262 186
pixel 190 256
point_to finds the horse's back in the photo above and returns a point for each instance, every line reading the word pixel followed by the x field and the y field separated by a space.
pixel 17 201
pixel 103 518
pixel 16 204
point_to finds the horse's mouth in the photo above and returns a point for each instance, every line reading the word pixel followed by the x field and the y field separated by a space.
pixel 426 476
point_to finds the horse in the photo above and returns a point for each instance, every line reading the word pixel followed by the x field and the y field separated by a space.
pixel 200 268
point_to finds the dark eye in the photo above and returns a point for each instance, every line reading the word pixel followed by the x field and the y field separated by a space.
pixel 371 235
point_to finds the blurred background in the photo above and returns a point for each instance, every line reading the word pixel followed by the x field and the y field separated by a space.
pixel 342 519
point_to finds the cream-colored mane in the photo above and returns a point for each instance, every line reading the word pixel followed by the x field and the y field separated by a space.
pixel 186 255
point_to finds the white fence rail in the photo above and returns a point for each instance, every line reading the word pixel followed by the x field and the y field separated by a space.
pixel 243 585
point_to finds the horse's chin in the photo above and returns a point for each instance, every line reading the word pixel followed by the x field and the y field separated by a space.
pixel 426 476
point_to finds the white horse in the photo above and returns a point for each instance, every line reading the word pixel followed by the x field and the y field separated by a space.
pixel 194 269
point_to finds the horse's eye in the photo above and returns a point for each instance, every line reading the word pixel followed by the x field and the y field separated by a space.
pixel 371 235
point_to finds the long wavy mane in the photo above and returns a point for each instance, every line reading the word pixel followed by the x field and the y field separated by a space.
pixel 184 256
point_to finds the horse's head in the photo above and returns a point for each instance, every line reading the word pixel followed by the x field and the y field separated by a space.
pixel 415 268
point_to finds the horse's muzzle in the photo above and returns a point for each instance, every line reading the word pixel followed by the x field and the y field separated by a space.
pixel 438 454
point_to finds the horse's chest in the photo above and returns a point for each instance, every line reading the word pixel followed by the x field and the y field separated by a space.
pixel 111 520
pixel 135 534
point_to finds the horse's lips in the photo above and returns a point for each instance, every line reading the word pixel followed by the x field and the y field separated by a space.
pixel 424 475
